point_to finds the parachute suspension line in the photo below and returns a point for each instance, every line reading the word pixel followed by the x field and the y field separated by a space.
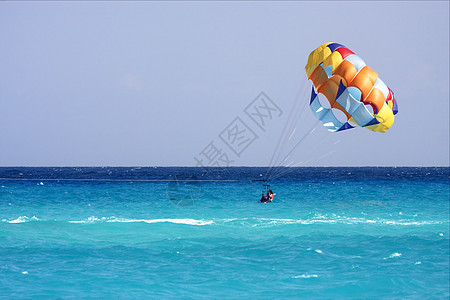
pixel 287 128
pixel 304 103
pixel 298 143
pixel 294 126
pixel 279 163
pixel 302 139
pixel 320 157
pixel 323 139
pixel 323 136
pixel 266 188
pixel 290 126
pixel 281 167
pixel 280 139
pixel 289 169
pixel 299 112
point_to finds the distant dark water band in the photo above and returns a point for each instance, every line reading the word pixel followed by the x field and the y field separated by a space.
pixel 118 180
pixel 231 175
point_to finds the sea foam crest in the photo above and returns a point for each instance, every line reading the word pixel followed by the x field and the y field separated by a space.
pixel 336 219
pixel 175 221
pixel 305 276
pixel 258 222
pixel 21 219
pixel 148 221
pixel 394 255
pixel 88 220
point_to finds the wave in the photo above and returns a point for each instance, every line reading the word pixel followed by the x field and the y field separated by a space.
pixel 246 222
pixel 21 219
pixel 149 221
pixel 322 219
pixel 305 276
pixel 393 255
pixel 263 222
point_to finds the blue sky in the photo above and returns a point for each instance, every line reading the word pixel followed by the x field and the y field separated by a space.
pixel 154 83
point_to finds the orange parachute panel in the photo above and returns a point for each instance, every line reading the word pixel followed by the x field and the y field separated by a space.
pixel 364 80
pixel 375 98
pixel 318 77
pixel 347 71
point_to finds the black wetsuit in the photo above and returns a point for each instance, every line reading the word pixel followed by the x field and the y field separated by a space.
pixel 265 199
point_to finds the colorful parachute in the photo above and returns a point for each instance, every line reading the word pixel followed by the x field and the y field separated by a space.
pixel 350 87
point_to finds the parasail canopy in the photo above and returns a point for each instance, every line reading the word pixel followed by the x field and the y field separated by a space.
pixel 355 93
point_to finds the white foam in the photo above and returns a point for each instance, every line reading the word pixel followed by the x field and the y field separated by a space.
pixel 230 220
pixel 305 276
pixel 149 221
pixel 349 220
pixel 407 223
pixel 89 220
pixel 338 219
pixel 22 219
pixel 175 221
pixel 394 255
pixel 18 220
pixel 335 219
pixel 258 222
pixel 278 221
pixel 319 251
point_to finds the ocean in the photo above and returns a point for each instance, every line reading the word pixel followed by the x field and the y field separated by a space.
pixel 193 233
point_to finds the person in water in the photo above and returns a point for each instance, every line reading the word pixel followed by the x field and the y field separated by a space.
pixel 268 197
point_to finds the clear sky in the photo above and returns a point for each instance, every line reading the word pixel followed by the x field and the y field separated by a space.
pixel 154 83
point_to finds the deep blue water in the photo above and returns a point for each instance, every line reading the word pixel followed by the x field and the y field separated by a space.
pixel 161 233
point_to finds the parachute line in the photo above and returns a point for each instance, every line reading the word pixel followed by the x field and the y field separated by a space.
pixel 289 127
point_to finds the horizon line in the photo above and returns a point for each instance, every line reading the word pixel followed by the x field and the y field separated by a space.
pixel 242 166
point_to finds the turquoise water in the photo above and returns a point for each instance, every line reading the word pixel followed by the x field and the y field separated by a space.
pixel 330 233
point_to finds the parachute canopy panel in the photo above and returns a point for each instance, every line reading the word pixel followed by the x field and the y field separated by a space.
pixel 351 87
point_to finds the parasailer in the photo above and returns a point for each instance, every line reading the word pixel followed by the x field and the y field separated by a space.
pixel 351 88
pixel 268 197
